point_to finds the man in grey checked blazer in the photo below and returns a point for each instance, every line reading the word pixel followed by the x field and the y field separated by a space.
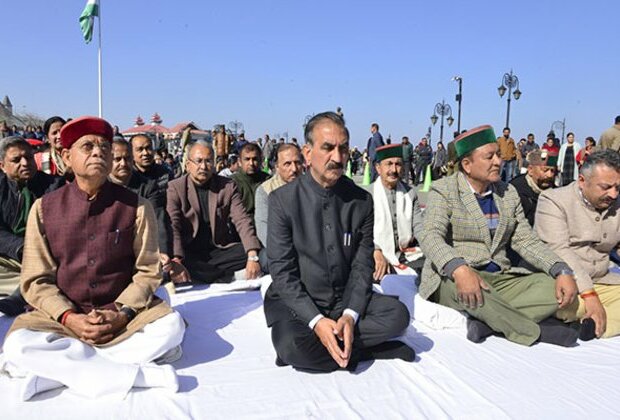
pixel 471 218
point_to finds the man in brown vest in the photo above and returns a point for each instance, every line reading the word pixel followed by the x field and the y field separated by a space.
pixel 90 269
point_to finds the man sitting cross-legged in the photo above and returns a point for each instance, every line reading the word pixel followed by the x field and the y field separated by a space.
pixel 90 270
pixel 320 307
pixel 213 235
pixel 470 220
pixel 581 223
pixel 398 222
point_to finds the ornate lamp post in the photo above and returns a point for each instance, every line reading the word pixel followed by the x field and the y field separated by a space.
pixel 557 126
pixel 307 119
pixel 442 109
pixel 236 127
pixel 459 99
pixel 510 81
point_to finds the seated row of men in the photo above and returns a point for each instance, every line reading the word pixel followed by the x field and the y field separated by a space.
pixel 91 264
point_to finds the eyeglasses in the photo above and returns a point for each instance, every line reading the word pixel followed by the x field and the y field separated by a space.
pixel 88 147
pixel 200 162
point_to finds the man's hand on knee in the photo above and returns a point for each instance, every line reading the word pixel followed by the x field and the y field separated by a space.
pixel 596 311
pixel 381 265
pixel 565 290
pixel 326 330
pixel 469 286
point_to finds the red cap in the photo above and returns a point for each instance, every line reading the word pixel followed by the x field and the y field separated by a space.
pixel 34 142
pixel 74 129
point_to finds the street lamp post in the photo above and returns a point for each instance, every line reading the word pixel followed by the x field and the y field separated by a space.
pixel 442 109
pixel 307 119
pixel 509 81
pixel 236 127
pixel 559 125
pixel 459 99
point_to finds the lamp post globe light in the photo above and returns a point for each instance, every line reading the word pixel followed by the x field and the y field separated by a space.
pixel 442 109
pixel 510 81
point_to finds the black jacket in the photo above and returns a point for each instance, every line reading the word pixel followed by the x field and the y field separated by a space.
pixel 151 190
pixel 11 203
pixel 529 198
pixel 320 246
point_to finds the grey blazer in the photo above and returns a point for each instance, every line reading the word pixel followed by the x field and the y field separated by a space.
pixel 455 227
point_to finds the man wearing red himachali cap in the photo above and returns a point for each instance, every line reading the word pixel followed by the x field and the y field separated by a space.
pixel 90 266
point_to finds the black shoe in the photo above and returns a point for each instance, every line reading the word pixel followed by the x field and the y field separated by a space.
pixel 13 304
pixel 554 331
pixel 280 362
pixel 478 331
pixel 389 350
pixel 587 331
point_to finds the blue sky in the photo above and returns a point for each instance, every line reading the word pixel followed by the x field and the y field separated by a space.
pixel 271 63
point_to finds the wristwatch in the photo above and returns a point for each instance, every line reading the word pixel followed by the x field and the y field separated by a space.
pixel 566 272
pixel 253 258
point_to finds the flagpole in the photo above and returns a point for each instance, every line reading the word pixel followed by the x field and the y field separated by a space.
pixel 100 71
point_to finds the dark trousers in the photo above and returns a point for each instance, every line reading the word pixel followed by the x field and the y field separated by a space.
pixel 297 345
pixel 420 173
pixel 216 265
pixel 406 174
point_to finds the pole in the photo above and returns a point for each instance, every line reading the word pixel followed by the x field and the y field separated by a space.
pixel 508 111
pixel 441 128
pixel 100 84
pixel 460 98
pixel 563 128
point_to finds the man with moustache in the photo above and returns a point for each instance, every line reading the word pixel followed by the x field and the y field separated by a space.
pixel 213 235
pixel 539 177
pixel 581 223
pixel 321 308
pixel 90 269
pixel 470 220
pixel 249 176
pixel 288 166
pixel 122 173
pixel 144 164
pixel 20 185
pixel 398 218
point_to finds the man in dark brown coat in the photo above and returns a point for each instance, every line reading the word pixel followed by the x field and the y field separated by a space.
pixel 213 235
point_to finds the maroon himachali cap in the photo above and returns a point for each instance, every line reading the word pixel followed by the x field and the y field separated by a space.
pixel 74 129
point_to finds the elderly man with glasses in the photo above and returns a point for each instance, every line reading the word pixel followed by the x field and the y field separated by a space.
pixel 213 235
pixel 90 267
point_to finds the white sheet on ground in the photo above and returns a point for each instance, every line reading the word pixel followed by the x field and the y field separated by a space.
pixel 228 371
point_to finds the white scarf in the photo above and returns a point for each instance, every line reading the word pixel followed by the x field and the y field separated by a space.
pixel 383 229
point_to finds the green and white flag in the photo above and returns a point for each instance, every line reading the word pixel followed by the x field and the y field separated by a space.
pixel 87 19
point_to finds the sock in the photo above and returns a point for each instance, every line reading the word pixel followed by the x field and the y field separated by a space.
pixel 13 305
pixel 478 331
pixel 157 377
pixel 33 384
pixel 587 330
pixel 554 331
pixel 389 350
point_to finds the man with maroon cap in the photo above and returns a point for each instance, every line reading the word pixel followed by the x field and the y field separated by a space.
pixel 540 175
pixel 90 269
